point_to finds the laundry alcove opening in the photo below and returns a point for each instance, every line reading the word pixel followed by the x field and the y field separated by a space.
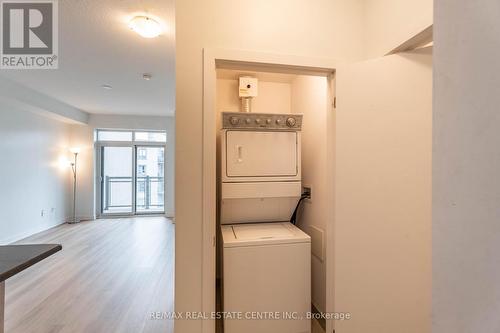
pixel 289 91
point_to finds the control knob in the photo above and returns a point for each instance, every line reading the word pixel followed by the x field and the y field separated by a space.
pixel 278 121
pixel 248 120
pixel 290 122
pixel 234 121
pixel 268 121
pixel 257 121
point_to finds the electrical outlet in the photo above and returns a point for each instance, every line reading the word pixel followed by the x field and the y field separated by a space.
pixel 307 191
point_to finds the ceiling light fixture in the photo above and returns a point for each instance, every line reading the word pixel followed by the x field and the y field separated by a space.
pixel 145 26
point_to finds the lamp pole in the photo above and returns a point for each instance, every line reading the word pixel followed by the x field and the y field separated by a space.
pixel 73 167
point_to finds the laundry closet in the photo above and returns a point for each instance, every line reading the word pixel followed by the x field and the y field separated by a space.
pixel 272 153
pixel 365 133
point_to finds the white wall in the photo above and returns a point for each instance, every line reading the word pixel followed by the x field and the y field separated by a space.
pixel 466 164
pixel 309 97
pixel 83 136
pixel 389 23
pixel 31 175
pixel 326 28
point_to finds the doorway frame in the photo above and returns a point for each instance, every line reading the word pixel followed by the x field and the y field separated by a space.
pixel 214 59
pixel 98 181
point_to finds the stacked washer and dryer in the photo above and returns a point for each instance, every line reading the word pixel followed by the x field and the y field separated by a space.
pixel 266 260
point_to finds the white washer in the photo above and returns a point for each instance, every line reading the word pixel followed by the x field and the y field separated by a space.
pixel 266 277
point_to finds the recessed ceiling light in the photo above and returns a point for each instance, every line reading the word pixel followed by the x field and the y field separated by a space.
pixel 106 86
pixel 145 26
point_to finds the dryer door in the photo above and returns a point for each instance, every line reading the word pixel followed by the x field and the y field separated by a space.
pixel 261 154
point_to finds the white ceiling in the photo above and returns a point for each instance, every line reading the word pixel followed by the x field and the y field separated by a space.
pixel 96 47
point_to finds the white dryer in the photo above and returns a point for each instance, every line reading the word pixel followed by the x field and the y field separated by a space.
pixel 260 166
pixel 266 260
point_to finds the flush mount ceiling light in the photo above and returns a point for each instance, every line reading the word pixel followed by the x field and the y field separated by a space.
pixel 145 26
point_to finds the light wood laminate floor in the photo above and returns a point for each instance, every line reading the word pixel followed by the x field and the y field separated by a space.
pixel 109 277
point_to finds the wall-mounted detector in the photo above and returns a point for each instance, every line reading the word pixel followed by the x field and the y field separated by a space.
pixel 247 90
pixel 248 86
pixel 147 76
pixel 106 86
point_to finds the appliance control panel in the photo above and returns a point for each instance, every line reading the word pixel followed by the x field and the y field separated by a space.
pixel 262 121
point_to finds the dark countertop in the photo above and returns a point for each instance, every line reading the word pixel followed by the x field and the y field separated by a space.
pixel 16 258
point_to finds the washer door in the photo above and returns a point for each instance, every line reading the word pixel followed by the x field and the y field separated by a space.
pixel 261 154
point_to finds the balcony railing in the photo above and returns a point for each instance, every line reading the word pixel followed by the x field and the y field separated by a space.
pixel 149 193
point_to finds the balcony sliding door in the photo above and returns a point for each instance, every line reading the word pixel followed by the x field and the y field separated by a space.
pixel 131 179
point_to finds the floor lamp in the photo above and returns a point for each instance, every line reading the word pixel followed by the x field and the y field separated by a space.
pixel 75 152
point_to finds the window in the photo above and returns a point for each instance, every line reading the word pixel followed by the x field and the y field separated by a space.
pixel 132 169
pixel 142 154
pixel 103 135
pixel 131 136
pixel 151 136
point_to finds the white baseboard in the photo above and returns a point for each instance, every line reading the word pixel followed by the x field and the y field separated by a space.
pixel 27 233
pixel 80 218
